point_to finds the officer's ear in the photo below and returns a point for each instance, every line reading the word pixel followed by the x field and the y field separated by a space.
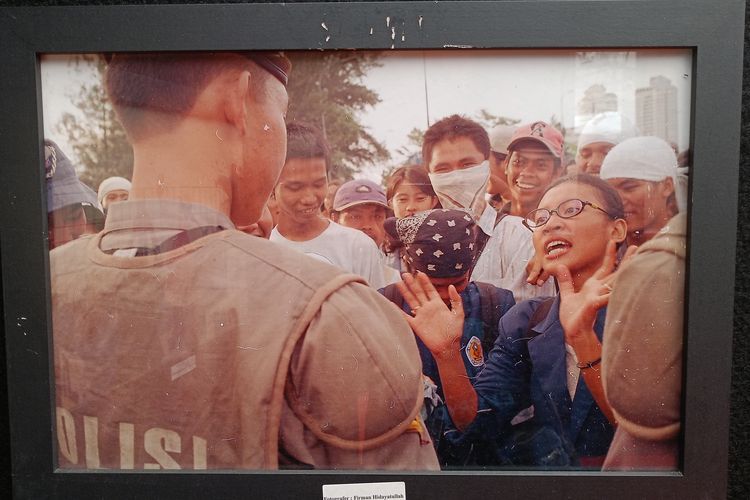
pixel 236 100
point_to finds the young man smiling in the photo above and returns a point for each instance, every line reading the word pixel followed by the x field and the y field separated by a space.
pixel 536 158
pixel 299 194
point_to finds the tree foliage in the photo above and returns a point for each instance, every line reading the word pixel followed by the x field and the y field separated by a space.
pixel 325 91
pixel 97 138
pixel 412 150
pixel 489 120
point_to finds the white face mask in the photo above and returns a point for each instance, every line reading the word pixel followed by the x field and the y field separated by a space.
pixel 462 189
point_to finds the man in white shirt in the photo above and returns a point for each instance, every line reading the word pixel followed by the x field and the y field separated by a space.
pixel 299 194
pixel 361 204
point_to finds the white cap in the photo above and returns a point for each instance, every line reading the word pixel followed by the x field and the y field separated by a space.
pixel 647 159
pixel 500 136
pixel 112 184
pixel 610 127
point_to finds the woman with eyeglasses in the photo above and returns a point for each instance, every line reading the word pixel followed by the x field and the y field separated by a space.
pixel 548 352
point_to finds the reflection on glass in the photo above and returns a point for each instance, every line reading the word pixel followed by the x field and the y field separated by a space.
pixel 181 342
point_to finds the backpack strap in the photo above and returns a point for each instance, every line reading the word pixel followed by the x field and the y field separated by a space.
pixel 178 240
pixel 392 293
pixel 298 332
pixel 491 313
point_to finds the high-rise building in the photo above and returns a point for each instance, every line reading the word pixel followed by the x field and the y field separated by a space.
pixel 656 109
pixel 596 100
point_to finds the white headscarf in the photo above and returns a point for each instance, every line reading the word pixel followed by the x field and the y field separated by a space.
pixel 112 184
pixel 647 159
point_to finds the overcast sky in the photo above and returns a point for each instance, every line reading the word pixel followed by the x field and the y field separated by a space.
pixel 525 85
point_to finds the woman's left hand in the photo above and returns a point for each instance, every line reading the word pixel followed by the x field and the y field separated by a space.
pixel 578 308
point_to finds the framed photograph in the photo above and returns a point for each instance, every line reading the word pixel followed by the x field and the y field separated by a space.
pixel 398 68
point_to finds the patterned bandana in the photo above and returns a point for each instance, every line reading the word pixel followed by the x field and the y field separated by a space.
pixel 440 243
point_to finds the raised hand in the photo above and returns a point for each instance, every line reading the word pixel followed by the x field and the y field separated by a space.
pixel 439 326
pixel 578 308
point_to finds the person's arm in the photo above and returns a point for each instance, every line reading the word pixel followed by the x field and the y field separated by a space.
pixel 355 388
pixel 440 328
pixel 642 352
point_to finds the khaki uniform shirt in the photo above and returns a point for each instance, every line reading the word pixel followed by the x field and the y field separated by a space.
pixel 227 352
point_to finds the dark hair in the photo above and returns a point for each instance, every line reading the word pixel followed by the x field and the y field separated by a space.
pixel 409 174
pixel 306 142
pixel 609 196
pixel 450 128
pixel 167 84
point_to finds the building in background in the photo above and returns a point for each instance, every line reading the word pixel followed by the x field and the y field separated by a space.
pixel 596 100
pixel 656 109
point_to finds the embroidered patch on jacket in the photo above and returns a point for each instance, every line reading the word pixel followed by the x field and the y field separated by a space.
pixel 474 352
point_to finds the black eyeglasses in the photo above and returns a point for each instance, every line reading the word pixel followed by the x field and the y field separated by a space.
pixel 567 209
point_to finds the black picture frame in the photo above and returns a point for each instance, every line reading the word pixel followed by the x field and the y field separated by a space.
pixel 28 32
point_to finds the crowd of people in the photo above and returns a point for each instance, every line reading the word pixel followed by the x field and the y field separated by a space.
pixel 235 307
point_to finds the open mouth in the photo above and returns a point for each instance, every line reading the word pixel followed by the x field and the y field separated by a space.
pixel 556 248
pixel 525 185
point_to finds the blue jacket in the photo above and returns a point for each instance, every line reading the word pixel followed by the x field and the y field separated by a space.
pixel 456 453
pixel 520 372
pixel 471 338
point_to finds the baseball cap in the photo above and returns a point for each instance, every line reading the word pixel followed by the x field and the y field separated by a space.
pixel 358 192
pixel 500 137
pixel 541 132
pixel 610 127
pixel 63 186
pixel 112 184
pixel 438 242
